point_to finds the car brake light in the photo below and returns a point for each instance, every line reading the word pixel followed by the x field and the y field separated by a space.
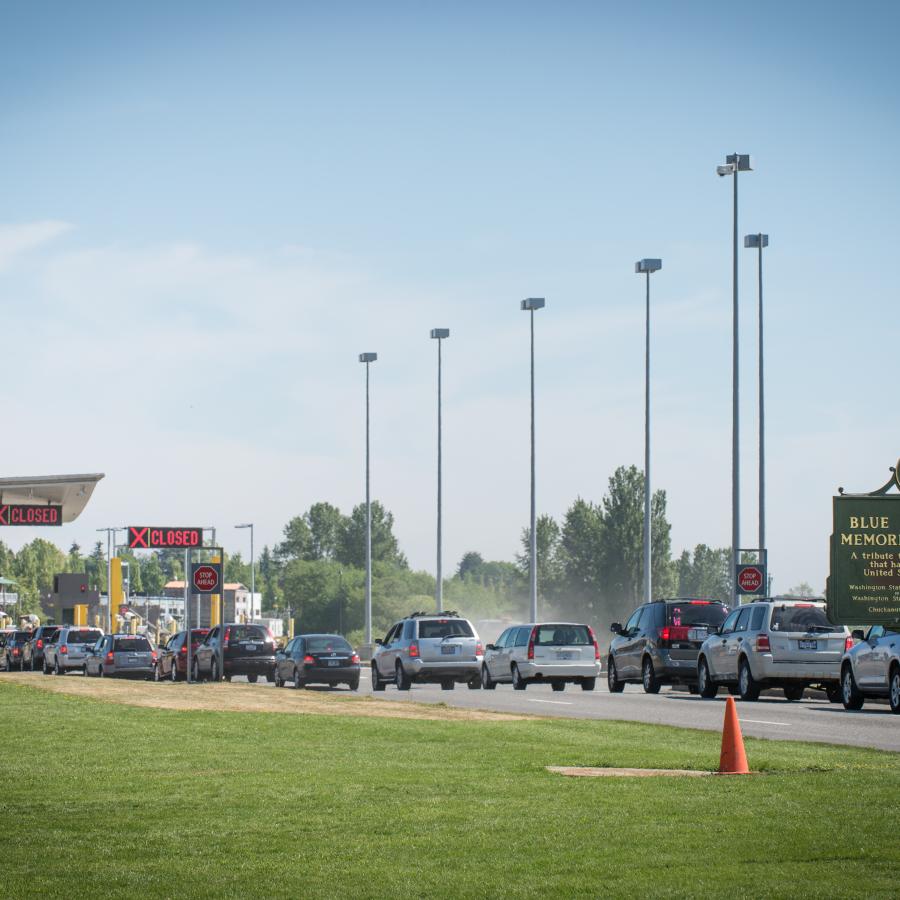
pixel 700 602
pixel 479 649
pixel 308 660
pixel 63 649
pixel 594 641
pixel 664 634
pixel 227 636
pixel 848 643
pixel 184 648
pixel 271 636
pixel 354 658
pixel 40 644
pixel 15 651
pixel 762 643
pixel 110 656
pixel 153 655
pixel 414 650
pixel 531 638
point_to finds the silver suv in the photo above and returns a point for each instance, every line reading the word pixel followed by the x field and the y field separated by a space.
pixel 70 649
pixel 440 648
pixel 872 668
pixel 784 643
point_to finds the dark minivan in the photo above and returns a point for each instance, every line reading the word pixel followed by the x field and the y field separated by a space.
pixel 249 650
pixel 173 657
pixel 34 650
pixel 14 651
pixel 317 659
pixel 660 642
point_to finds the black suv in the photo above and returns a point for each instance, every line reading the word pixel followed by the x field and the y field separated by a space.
pixel 660 642
pixel 249 650
pixel 34 650
pixel 14 651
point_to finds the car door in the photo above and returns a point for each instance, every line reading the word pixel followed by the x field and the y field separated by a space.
pixel 885 650
pixel 718 648
pixel 284 662
pixel 388 652
pixel 628 649
pixel 491 657
pixel 867 671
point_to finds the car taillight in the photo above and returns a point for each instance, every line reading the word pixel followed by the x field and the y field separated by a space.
pixel 670 633
pixel 184 648
pixel 110 656
pixel 664 634
pixel 479 649
pixel 594 641
pixel 762 643
pixel 63 649
pixel 848 643
pixel 414 649
pixel 354 658
pixel 308 660
pixel 153 655
pixel 531 638
pixel 227 636
pixel 15 651
pixel 40 644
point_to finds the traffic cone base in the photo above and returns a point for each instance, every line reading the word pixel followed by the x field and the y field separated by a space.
pixel 733 759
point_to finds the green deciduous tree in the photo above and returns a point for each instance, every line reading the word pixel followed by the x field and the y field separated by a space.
pixel 705 573
pixel 384 544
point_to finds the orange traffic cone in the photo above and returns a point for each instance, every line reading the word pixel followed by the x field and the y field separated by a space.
pixel 733 760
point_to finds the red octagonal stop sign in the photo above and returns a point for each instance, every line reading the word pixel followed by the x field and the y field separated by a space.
pixel 206 579
pixel 750 580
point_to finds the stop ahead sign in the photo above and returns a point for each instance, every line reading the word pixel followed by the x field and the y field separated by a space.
pixel 206 577
pixel 750 579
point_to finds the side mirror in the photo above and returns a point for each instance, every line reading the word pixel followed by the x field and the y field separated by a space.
pixel 490 646
pixel 715 629
pixel 379 642
pixel 616 628
pixel 858 634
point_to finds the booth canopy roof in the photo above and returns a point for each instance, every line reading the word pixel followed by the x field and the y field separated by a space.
pixel 72 492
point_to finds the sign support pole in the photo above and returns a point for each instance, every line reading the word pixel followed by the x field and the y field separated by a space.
pixel 187 614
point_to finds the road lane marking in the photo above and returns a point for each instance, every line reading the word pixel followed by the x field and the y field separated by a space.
pixel 557 702
pixel 763 722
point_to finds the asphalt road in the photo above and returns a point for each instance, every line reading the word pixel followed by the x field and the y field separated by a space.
pixel 773 717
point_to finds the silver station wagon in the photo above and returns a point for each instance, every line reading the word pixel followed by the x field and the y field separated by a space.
pixel 558 653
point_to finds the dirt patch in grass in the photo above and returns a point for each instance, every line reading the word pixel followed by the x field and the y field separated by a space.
pixel 237 697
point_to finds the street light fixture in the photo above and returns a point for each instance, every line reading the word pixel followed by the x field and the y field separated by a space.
pixel 252 570
pixel 439 334
pixel 757 242
pixel 530 305
pixel 735 163
pixel 647 267
pixel 368 358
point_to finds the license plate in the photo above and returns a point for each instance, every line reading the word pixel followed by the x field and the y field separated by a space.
pixel 333 662
pixel 808 645
pixel 564 654
pixel 449 651
pixel 249 646
pixel 697 634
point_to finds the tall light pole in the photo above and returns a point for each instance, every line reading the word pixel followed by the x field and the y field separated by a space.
pixel 110 539
pixel 368 358
pixel 647 267
pixel 530 305
pixel 439 334
pixel 252 570
pixel 735 163
pixel 757 242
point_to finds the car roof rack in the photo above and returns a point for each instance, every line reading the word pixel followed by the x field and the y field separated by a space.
pixel 443 614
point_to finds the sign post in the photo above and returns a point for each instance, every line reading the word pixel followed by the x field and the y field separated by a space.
pixel 751 579
pixel 864 585
pixel 207 578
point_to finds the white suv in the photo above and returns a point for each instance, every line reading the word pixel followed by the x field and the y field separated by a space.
pixel 872 668
pixel 560 653
pixel 786 643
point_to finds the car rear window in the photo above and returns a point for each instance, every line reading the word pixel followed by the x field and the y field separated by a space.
pixel 327 645
pixel 198 634
pixel 802 617
pixel 247 633
pixel 133 645
pixel 84 637
pixel 562 635
pixel 695 612
pixel 441 628
pixel 22 636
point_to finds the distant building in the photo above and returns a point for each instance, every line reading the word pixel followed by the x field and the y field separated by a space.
pixel 240 604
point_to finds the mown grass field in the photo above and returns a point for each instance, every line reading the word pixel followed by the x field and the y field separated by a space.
pixel 106 800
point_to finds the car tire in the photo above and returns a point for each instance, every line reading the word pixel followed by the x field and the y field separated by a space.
pixel 648 677
pixel 100 672
pixel 588 684
pixel 44 668
pixel 377 683
pixel 612 678
pixel 84 670
pixel 253 678
pixel 270 677
pixel 157 675
pixel 833 692
pixel 850 693
pixel 793 692
pixel 214 670
pixel 173 673
pixel 558 686
pixel 298 680
pixel 475 683
pixel 748 687
pixel 705 685
pixel 354 685
pixel 487 682
pixel 32 664
pixel 518 682
pixel 279 681
pixel 401 679
pixel 448 684
pixel 195 671
pixel 894 689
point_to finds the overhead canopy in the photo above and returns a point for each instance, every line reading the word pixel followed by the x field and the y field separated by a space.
pixel 72 492
pixel 5 581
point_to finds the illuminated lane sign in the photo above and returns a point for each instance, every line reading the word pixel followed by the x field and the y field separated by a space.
pixel 149 537
pixel 29 514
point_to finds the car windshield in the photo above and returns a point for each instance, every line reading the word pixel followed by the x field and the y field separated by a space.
pixel 562 635
pixel 441 628
pixel 803 617
pixel 327 645
pixel 246 633
pixel 22 636
pixel 695 612
pixel 133 645
pixel 84 637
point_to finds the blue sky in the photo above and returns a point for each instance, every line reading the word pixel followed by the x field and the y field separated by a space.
pixel 205 201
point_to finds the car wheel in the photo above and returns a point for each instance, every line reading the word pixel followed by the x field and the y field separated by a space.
pixel 100 672
pixel 448 684
pixel 401 679
pixel 298 679
pixel 195 671
pixel 850 695
pixel 588 684
pixel 833 693
pixel 354 685
pixel 279 681
pixel 214 670
pixel 894 688
pixel 56 668
pixel 270 677
pixel 558 685
pixel 707 687
pixel 487 682
pixel 32 664
pixel 475 683
pixel 377 683
pixel 173 673
pixel 612 678
pixel 519 683
pixel 648 677
pixel 44 668
pixel 84 670
pixel 793 691
pixel 157 675
pixel 252 679
pixel 747 685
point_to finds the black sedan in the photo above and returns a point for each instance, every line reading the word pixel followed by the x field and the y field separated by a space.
pixel 317 659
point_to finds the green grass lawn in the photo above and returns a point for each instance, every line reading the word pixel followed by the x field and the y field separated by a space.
pixel 113 801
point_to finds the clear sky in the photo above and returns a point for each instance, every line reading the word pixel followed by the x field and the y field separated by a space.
pixel 207 210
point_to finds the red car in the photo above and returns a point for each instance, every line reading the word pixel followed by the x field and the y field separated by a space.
pixel 172 663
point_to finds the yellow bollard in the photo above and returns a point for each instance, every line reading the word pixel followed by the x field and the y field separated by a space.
pixel 81 614
pixel 217 612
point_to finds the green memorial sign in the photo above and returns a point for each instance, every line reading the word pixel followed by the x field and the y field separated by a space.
pixel 864 585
